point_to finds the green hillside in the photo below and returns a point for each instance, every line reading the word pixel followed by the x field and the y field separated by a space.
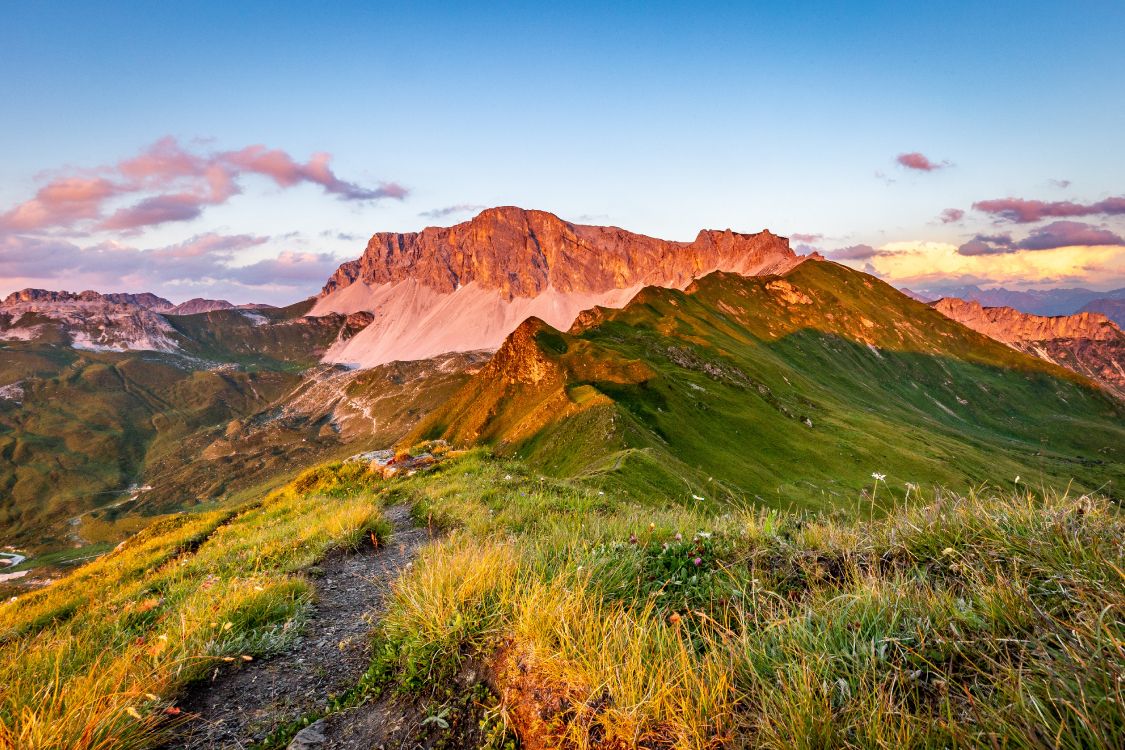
pixel 87 423
pixel 788 391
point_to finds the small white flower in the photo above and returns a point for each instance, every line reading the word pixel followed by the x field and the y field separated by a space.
pixel 877 476
pixel 1017 480
pixel 697 497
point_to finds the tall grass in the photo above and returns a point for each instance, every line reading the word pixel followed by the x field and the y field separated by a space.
pixel 994 619
pixel 96 660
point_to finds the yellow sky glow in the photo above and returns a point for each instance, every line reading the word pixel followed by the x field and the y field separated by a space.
pixel 922 262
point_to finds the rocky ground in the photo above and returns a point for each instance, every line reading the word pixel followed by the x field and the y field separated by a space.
pixel 241 707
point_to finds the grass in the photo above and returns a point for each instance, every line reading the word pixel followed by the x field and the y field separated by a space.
pixel 733 392
pixel 990 619
pixel 96 660
pixel 995 618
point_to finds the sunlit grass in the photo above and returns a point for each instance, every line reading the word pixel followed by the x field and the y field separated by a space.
pixel 96 660
pixel 992 619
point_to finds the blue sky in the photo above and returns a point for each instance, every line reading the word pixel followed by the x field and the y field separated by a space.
pixel 661 118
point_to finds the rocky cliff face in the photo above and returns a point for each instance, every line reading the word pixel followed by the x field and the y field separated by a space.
pixel 1086 342
pixel 466 287
pixel 522 253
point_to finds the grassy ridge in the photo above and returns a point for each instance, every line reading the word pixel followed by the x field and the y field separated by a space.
pixel 784 391
pixel 96 660
pixel 990 619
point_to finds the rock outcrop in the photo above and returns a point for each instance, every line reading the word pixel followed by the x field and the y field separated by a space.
pixel 146 300
pixel 466 287
pixel 1088 343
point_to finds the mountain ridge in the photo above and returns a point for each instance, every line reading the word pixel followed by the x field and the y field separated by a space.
pixel 466 287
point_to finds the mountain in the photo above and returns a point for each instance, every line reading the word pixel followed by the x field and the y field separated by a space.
pixel 215 331
pixel 1087 343
pixel 146 300
pixel 789 388
pixel 197 305
pixel 1114 309
pixel 87 320
pixel 466 287
pixel 1048 302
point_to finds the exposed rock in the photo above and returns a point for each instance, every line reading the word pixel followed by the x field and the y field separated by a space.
pixel 468 286
pixel 145 299
pixel 199 305
pixel 522 252
pixel 310 738
pixel 1087 343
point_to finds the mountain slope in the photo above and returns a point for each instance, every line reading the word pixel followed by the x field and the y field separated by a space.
pixel 1114 309
pixel 1048 302
pixel 1086 342
pixel 466 287
pixel 797 387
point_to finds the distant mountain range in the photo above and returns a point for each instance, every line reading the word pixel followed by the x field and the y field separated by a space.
pixel 1049 302
pixel 1086 342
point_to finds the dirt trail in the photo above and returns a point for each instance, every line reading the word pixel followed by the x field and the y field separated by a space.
pixel 242 707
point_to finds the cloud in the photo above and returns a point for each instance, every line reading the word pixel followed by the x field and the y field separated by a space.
pixel 1062 184
pixel 460 208
pixel 1055 235
pixel 858 252
pixel 61 202
pixel 159 209
pixel 204 265
pixel 1068 234
pixel 172 183
pixel 920 162
pixel 951 215
pixel 798 237
pixel 996 244
pixel 1023 211
pixel 922 264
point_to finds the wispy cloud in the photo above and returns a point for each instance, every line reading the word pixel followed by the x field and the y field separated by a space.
pixel 1050 237
pixel 1024 211
pixel 170 183
pixel 919 162
pixel 447 211
pixel 207 264
pixel 951 216
pixel 859 252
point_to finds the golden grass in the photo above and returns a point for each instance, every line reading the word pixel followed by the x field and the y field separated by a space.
pixel 96 660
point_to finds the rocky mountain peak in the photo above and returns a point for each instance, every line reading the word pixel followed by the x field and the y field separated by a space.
pixel 523 253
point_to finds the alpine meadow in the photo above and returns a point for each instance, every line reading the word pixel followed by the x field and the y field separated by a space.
pixel 313 438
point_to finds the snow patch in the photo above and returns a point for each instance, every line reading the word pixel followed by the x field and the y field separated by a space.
pixel 255 318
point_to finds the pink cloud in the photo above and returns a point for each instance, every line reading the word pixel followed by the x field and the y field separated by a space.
pixel 919 161
pixel 951 215
pixel 1054 235
pixel 60 203
pixel 159 209
pixel 184 183
pixel 204 265
pixel 1023 211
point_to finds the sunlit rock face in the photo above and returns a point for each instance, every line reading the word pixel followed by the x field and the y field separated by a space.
pixel 466 287
pixel 1087 343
